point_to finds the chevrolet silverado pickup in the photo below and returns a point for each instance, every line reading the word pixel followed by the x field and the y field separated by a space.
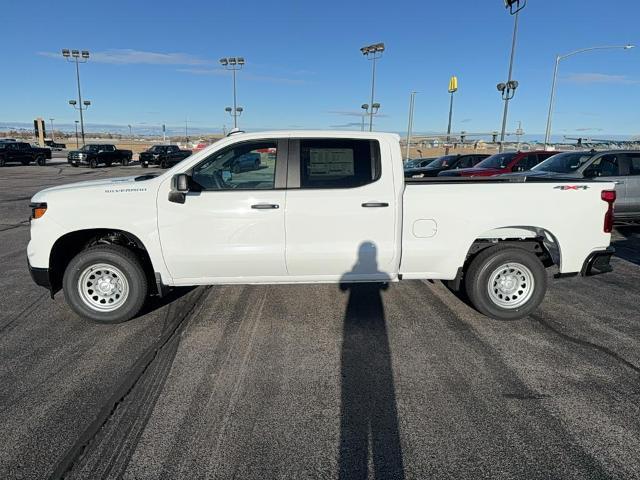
pixel 22 152
pixel 99 154
pixel 322 207
pixel 164 155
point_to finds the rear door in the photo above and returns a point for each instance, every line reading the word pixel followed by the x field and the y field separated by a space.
pixel 340 213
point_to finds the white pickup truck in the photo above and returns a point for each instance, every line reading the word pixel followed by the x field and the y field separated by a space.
pixel 317 207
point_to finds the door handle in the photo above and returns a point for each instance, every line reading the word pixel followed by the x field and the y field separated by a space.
pixel 265 206
pixel 375 204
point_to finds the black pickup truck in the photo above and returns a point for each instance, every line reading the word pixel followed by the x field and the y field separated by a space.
pixel 164 155
pixel 22 152
pixel 99 154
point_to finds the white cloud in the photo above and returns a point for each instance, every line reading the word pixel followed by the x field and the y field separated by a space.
pixel 587 78
pixel 131 57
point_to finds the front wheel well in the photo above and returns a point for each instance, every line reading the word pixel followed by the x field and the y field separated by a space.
pixel 70 244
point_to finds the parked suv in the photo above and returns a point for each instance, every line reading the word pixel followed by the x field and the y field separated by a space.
pixel 99 154
pixel 620 166
pixel 164 155
pixel 448 162
pixel 22 152
pixel 502 163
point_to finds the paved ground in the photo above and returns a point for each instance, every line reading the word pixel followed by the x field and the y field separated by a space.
pixel 313 382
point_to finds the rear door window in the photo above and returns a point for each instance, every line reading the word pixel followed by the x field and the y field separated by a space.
pixel 338 163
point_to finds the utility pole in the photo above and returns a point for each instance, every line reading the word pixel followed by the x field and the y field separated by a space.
pixel 412 99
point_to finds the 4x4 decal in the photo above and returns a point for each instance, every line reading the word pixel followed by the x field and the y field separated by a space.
pixel 572 187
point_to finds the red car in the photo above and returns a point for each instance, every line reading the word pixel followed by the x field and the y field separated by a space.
pixel 501 163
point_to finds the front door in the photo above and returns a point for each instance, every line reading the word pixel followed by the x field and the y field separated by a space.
pixel 340 217
pixel 231 226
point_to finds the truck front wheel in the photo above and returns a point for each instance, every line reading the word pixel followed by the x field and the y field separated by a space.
pixel 506 283
pixel 106 284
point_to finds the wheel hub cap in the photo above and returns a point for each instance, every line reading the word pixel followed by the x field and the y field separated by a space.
pixel 103 287
pixel 510 285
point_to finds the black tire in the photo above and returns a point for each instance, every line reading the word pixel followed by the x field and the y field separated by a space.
pixel 108 164
pixel 121 258
pixel 486 264
pixel 25 162
pixel 144 165
pixel 163 164
pixel 74 165
pixel 125 162
pixel 2 162
pixel 40 160
pixel 93 163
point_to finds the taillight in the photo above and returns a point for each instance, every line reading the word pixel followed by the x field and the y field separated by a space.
pixel 38 210
pixel 608 196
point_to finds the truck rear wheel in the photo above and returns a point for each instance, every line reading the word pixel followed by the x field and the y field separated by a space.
pixel 506 283
pixel 93 163
pixel 106 284
pixel 40 161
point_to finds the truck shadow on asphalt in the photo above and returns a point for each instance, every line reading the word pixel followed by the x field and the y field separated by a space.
pixel 156 303
pixel 368 416
pixel 628 248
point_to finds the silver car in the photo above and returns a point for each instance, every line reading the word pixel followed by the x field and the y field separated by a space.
pixel 620 166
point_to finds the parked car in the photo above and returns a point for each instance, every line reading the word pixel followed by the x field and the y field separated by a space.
pixel 502 163
pixel 332 207
pixel 99 154
pixel 54 145
pixel 22 152
pixel 418 162
pixel 446 162
pixel 164 155
pixel 620 166
pixel 248 161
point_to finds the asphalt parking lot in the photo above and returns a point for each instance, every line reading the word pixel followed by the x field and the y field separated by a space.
pixel 257 382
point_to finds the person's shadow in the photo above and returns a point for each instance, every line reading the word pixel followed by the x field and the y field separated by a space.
pixel 368 417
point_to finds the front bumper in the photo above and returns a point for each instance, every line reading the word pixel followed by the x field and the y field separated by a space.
pixel 40 277
pixel 598 262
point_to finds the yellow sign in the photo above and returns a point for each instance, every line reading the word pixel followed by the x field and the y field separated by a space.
pixel 453 84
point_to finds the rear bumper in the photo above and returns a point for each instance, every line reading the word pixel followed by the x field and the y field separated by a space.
pixel 598 262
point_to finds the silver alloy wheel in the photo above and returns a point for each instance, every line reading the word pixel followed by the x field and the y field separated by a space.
pixel 103 287
pixel 510 285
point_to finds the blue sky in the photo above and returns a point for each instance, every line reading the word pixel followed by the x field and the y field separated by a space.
pixel 156 62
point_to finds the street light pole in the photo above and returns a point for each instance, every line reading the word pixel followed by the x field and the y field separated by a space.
pixel 77 141
pixel 412 100
pixel 131 136
pixel 51 120
pixel 373 52
pixel 77 57
pixel 516 15
pixel 453 88
pixel 547 135
pixel 233 64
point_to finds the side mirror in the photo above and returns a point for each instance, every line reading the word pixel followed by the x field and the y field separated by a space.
pixel 181 182
pixel 180 187
pixel 591 173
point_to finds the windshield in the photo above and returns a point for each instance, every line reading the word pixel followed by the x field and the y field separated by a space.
pixel 89 148
pixel 442 162
pixel 499 160
pixel 563 162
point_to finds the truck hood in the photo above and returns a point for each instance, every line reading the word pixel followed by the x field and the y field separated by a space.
pixel 103 184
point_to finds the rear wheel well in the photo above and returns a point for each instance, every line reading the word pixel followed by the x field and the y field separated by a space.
pixel 535 245
pixel 69 245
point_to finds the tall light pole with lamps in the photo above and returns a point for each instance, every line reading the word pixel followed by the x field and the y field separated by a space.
pixel 508 90
pixel 453 88
pixel 51 120
pixel 547 135
pixel 78 57
pixel 77 141
pixel 373 52
pixel 370 110
pixel 234 64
